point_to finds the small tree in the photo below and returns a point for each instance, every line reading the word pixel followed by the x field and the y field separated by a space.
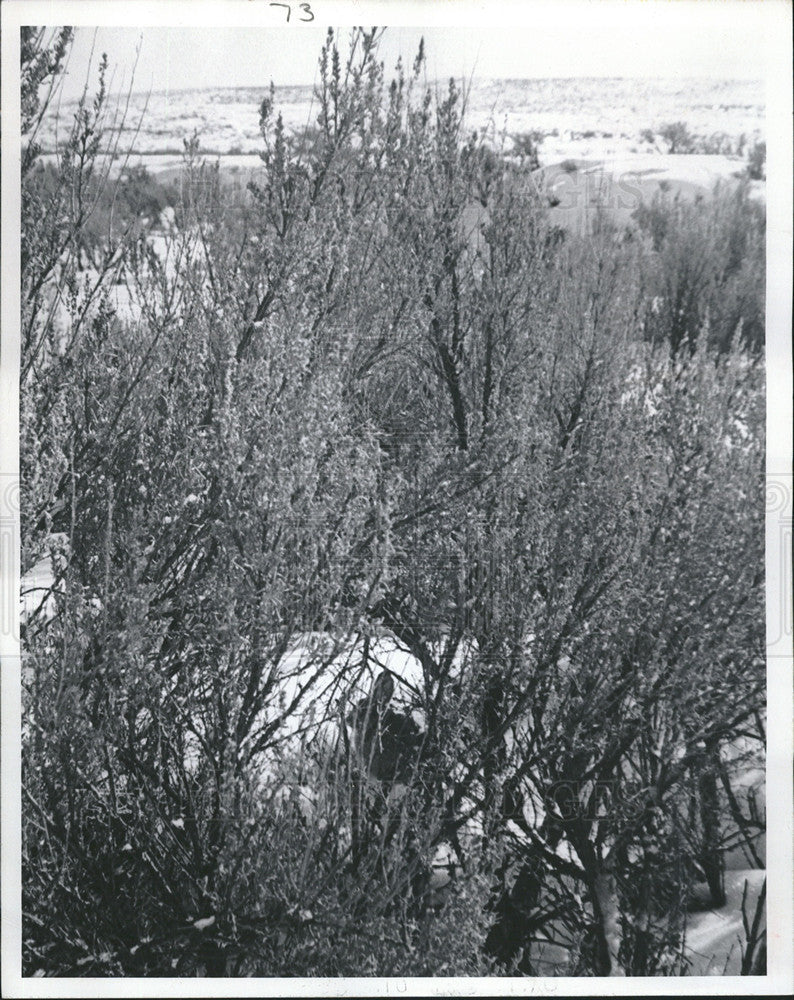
pixel 677 136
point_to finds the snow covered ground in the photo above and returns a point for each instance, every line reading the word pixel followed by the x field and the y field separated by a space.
pixel 715 938
pixel 583 117
pixel 619 184
pixel 38 590
pixel 588 133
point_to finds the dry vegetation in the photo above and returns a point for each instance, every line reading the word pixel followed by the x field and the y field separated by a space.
pixel 346 413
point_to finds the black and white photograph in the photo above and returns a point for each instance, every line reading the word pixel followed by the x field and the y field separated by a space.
pixel 396 498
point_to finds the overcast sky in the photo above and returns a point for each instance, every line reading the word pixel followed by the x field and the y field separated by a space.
pixel 679 38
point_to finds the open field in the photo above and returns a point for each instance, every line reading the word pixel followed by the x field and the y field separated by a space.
pixel 593 118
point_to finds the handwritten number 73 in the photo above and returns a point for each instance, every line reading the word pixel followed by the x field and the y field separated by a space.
pixel 307 14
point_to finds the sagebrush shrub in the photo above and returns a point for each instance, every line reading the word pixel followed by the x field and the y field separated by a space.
pixel 376 397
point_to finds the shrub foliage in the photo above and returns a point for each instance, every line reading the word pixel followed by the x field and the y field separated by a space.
pixel 375 394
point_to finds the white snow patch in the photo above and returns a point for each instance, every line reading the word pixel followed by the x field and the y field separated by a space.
pixel 714 938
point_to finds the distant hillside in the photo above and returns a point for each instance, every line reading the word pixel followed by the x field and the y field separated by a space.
pixel 573 117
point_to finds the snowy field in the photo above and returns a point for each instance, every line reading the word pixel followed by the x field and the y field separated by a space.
pixel 589 134
pixel 589 118
pixel 619 184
